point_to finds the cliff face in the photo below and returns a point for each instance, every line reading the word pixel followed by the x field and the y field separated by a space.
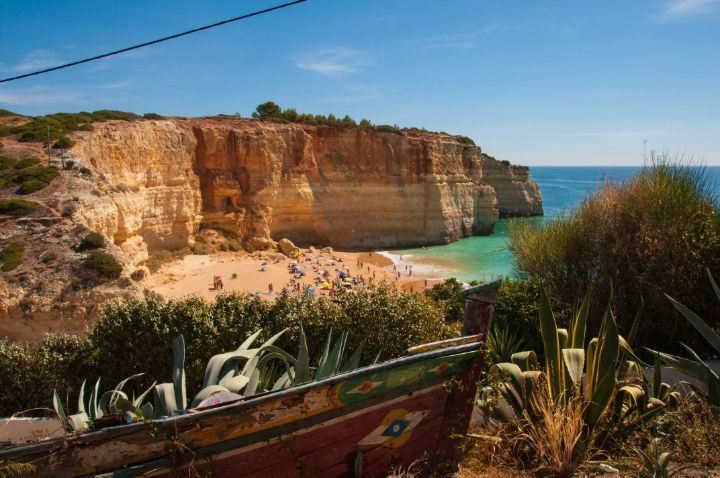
pixel 262 181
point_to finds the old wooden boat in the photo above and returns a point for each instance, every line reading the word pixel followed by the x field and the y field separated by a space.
pixel 414 409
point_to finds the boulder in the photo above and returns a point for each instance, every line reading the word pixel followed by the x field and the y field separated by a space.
pixel 286 246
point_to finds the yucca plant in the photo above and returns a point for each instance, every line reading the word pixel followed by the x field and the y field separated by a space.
pixel 605 375
pixel 504 341
pixel 112 402
pixel 696 367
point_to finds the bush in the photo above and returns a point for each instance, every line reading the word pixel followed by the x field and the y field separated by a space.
pixel 85 171
pixel 32 179
pixel 447 295
pixel 49 257
pixel 93 240
pixel 7 113
pixel 153 116
pixel 36 130
pixel 17 207
pixel 28 374
pixel 103 264
pixel 26 163
pixel 137 335
pixel 69 165
pixel 63 143
pixel 650 235
pixel 30 186
pixel 465 140
pixel 6 162
pixel 11 256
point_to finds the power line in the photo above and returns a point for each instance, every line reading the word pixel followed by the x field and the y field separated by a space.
pixel 153 42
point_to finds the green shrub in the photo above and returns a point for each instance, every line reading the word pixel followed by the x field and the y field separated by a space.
pixel 32 179
pixel 28 373
pixel 447 295
pixel 30 186
pixel 85 171
pixel 11 256
pixel 153 116
pixel 49 257
pixel 63 143
pixel 7 113
pixel 505 162
pixel 103 264
pixel 465 140
pixel 26 163
pixel 386 128
pixel 69 165
pixel 6 162
pixel 652 234
pixel 60 124
pixel 17 207
pixel 93 240
pixel 137 335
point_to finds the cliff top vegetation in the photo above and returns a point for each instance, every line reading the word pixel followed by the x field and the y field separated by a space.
pixel 57 125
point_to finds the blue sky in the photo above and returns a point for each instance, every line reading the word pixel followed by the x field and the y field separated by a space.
pixel 574 82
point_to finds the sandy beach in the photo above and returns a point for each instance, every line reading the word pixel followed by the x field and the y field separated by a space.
pixel 267 274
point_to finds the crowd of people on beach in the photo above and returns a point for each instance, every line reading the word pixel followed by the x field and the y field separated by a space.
pixel 326 274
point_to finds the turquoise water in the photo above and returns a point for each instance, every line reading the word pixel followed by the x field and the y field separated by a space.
pixel 487 257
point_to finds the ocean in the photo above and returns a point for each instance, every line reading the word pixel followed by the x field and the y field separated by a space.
pixel 485 258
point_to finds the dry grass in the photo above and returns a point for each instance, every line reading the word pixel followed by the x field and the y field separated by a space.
pixel 555 439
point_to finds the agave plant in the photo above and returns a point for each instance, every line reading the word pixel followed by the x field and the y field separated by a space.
pixel 656 464
pixel 112 402
pixel 605 375
pixel 696 367
pixel 247 371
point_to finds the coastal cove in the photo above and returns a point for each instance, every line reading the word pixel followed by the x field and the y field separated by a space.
pixel 485 258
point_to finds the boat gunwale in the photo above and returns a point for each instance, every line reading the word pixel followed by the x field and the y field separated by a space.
pixel 86 439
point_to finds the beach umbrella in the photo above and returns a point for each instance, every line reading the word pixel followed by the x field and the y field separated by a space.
pixel 326 284
pixel 310 291
pixel 263 263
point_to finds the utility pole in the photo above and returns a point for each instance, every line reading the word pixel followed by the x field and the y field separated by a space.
pixel 62 150
pixel 48 145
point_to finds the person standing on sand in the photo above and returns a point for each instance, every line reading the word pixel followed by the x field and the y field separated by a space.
pixel 270 288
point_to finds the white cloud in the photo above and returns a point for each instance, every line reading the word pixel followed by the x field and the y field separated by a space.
pixel 36 60
pixel 36 96
pixel 333 62
pixel 679 9
pixel 460 41
pixel 116 85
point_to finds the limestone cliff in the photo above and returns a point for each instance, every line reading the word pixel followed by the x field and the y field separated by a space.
pixel 160 181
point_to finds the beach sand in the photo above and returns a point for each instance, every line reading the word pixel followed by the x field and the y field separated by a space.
pixel 242 272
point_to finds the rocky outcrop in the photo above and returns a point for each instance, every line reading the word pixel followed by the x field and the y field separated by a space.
pixel 160 181
pixel 516 194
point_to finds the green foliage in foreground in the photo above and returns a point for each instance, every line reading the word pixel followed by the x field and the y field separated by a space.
pixel 17 207
pixel 603 380
pixel 137 337
pixel 696 367
pixel 11 256
pixel 650 235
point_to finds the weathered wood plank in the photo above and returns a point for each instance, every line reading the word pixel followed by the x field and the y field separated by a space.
pixel 418 349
